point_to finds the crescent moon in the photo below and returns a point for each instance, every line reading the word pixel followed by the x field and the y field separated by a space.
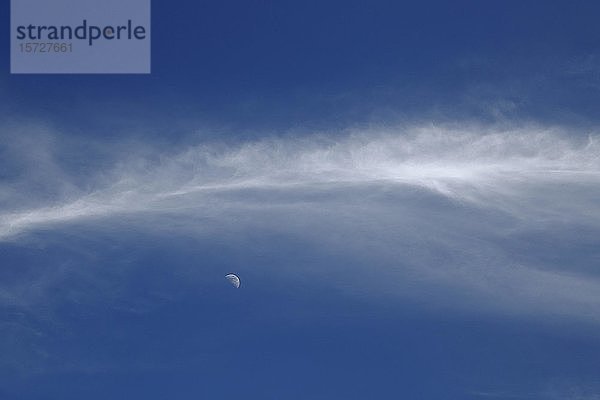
pixel 233 279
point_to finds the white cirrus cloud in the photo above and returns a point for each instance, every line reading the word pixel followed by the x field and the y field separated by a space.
pixel 450 205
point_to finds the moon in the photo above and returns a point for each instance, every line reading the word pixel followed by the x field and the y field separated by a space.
pixel 233 279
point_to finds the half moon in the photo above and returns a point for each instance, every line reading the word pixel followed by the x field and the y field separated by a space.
pixel 233 279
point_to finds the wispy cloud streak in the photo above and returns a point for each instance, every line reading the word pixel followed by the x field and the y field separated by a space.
pixel 520 171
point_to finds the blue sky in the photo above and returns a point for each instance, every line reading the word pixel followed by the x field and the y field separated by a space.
pixel 408 192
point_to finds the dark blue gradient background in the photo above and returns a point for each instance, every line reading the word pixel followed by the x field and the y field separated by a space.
pixel 127 315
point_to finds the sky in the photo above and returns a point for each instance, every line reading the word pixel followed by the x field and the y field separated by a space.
pixel 407 190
